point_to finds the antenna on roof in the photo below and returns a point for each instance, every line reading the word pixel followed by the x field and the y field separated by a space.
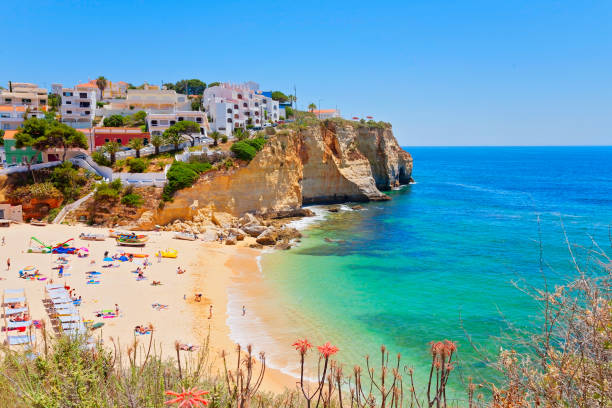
pixel 10 86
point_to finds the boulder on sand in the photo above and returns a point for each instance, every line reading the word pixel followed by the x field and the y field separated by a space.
pixel 230 241
pixel 268 237
pixel 254 230
pixel 222 219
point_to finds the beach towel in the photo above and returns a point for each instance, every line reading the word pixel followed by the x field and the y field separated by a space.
pixel 108 259
pixel 93 282
pixel 94 273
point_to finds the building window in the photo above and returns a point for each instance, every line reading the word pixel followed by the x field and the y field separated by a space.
pixel 87 112
pixel 198 120
pixel 239 96
pixel 229 110
pixel 118 140
pixel 236 116
pixel 69 112
pixel 43 101
pixel 256 113
pixel 84 104
pixel 145 141
pixel 106 140
pixel 172 122
pixel 229 120
pixel 256 120
pixel 256 104
pixel 82 95
pixel 245 105
pixel 153 123
pixel 7 100
pixel 235 106
pixel 68 102
pixel 67 93
pixel 25 100
pixel 180 118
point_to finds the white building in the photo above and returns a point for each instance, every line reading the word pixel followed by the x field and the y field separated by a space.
pixel 11 117
pixel 159 122
pixel 24 94
pixel 327 113
pixel 230 106
pixel 148 100
pixel 78 107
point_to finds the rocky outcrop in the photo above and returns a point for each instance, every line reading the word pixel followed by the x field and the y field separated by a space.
pixel 330 162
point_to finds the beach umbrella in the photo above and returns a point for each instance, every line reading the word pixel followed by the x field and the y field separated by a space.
pixel 355 118
pixel 108 259
pixel 123 258
pixel 84 249
pixel 370 117
pixel 97 325
pixel 29 269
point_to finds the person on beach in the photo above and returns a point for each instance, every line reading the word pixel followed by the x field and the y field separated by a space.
pixel 8 264
pixel 198 297
pixel 159 257
pixel 243 310
pixel 210 312
pixel 3 242
pixel 61 271
pixel 116 310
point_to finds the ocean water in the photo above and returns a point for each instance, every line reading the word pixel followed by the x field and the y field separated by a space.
pixel 436 262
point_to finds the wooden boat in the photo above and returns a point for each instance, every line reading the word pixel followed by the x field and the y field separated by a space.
pixel 92 237
pixel 38 223
pixel 123 234
pixel 187 236
pixel 130 242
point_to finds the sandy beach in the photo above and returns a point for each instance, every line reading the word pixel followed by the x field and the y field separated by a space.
pixel 210 269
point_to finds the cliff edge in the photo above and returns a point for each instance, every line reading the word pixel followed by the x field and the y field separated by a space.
pixel 328 162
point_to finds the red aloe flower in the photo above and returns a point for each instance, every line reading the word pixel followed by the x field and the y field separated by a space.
pixel 450 346
pixel 189 398
pixel 302 346
pixel 327 350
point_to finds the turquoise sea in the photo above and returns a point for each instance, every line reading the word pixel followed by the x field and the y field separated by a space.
pixel 437 261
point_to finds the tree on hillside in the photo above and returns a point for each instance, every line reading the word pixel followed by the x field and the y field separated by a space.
pixel 312 107
pixel 292 99
pixel 55 101
pixel 196 104
pixel 214 84
pixel 114 121
pixel 171 136
pixel 157 141
pixel 279 96
pixel 186 129
pixel 111 148
pixel 188 86
pixel 65 137
pixel 1 137
pixel 101 83
pixel 136 144
pixel 215 136
pixel 137 119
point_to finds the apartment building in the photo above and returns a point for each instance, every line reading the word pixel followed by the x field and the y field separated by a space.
pixel 230 106
pixel 159 122
pixel 99 136
pixel 149 100
pixel 11 117
pixel 111 91
pixel 24 94
pixel 78 107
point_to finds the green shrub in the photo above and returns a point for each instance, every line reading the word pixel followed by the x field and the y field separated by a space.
pixel 182 175
pixel 137 165
pixel 67 179
pixel 132 200
pixel 110 190
pixel 243 150
pixel 100 159
pixel 114 121
pixel 52 214
pixel 224 139
pixel 258 143
pixel 41 191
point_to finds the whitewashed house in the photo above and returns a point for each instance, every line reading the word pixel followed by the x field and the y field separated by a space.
pixel 230 106
pixel 157 123
pixel 78 107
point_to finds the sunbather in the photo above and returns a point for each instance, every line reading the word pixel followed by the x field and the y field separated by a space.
pixel 156 283
pixel 188 347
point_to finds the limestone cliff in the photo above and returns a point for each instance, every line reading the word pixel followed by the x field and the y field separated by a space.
pixel 327 163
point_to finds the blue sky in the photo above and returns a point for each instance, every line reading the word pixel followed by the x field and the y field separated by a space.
pixel 443 72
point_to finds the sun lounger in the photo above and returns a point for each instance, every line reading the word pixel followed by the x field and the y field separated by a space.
pixel 10 312
pixel 55 286
pixel 61 300
pixel 72 326
pixel 70 318
pixel 20 299
pixel 56 294
pixel 13 291
pixel 18 325
pixel 23 339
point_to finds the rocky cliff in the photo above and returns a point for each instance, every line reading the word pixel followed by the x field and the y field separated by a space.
pixel 326 163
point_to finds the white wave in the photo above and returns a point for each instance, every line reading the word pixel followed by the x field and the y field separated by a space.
pixel 344 207
pixel 305 222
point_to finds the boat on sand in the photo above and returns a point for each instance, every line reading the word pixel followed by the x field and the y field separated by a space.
pixel 187 236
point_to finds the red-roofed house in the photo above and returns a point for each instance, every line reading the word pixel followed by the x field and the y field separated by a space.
pixel 326 113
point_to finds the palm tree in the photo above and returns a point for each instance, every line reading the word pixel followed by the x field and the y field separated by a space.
pixel 111 148
pixel 157 141
pixel 292 99
pixel 136 144
pixel 101 82
pixel 312 107
pixel 173 137
pixel 215 136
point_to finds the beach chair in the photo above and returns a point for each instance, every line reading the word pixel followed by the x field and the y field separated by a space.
pixel 21 339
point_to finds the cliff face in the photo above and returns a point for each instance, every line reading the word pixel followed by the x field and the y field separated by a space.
pixel 322 164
